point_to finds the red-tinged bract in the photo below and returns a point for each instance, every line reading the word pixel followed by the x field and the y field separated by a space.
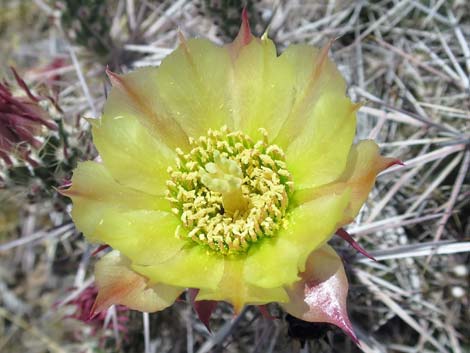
pixel 21 121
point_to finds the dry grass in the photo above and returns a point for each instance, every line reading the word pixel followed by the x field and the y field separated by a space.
pixel 408 60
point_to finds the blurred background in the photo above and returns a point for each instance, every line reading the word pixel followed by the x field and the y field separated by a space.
pixel 408 60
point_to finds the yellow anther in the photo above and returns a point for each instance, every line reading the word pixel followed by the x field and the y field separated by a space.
pixel 230 191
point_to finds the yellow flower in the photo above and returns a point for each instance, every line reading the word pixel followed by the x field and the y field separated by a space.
pixel 226 169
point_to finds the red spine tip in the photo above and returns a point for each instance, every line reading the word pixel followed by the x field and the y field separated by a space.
pixel 346 236
pixel 245 27
pixel 99 249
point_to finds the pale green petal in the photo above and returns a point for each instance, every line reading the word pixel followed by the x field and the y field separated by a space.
pixel 133 156
pixel 314 74
pixel 277 261
pixel 262 89
pixel 363 165
pixel 146 237
pixel 192 267
pixel 94 192
pixel 272 263
pixel 135 95
pixel 234 289
pixel 118 284
pixel 192 83
pixel 319 154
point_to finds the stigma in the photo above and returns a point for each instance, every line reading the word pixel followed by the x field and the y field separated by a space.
pixel 226 177
pixel 230 191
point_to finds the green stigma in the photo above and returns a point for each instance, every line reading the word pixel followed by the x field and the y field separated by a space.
pixel 230 191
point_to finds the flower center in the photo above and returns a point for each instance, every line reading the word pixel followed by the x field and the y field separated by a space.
pixel 230 191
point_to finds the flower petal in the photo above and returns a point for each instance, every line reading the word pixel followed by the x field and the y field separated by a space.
pixel 192 85
pixel 276 262
pixel 133 156
pixel 95 192
pixel 363 165
pixel 262 89
pixel 118 284
pixel 144 236
pixel 320 295
pixel 135 95
pixel 235 290
pixel 193 266
pixel 319 154
pixel 314 74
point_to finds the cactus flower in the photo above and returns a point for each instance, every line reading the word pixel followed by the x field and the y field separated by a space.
pixel 226 170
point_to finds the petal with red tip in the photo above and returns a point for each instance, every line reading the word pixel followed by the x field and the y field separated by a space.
pixel 192 85
pixel 320 152
pixel 94 192
pixel 320 295
pixel 133 156
pixel 363 164
pixel 99 249
pixel 118 284
pixel 262 89
pixel 244 36
pixel 314 74
pixel 318 129
pixel 235 290
pixel 135 95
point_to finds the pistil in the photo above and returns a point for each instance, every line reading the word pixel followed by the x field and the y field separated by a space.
pixel 229 191
pixel 225 176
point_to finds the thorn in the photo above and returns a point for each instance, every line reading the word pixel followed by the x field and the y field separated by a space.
pixel 203 308
pixel 245 30
pixel 181 38
pixel 116 80
pixel 388 162
pixel 324 51
pixel 245 20
pixel 94 122
pixel 65 184
pixel 64 190
pixel 99 249
pixel 184 45
pixel 192 293
pixel 93 313
pixel 356 106
pixel 336 38
pixel 395 162
pixel 346 236
pixel 349 331
pixel 264 311
pixel 23 85
pixel 321 60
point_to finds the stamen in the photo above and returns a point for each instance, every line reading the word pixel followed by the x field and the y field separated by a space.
pixel 230 191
